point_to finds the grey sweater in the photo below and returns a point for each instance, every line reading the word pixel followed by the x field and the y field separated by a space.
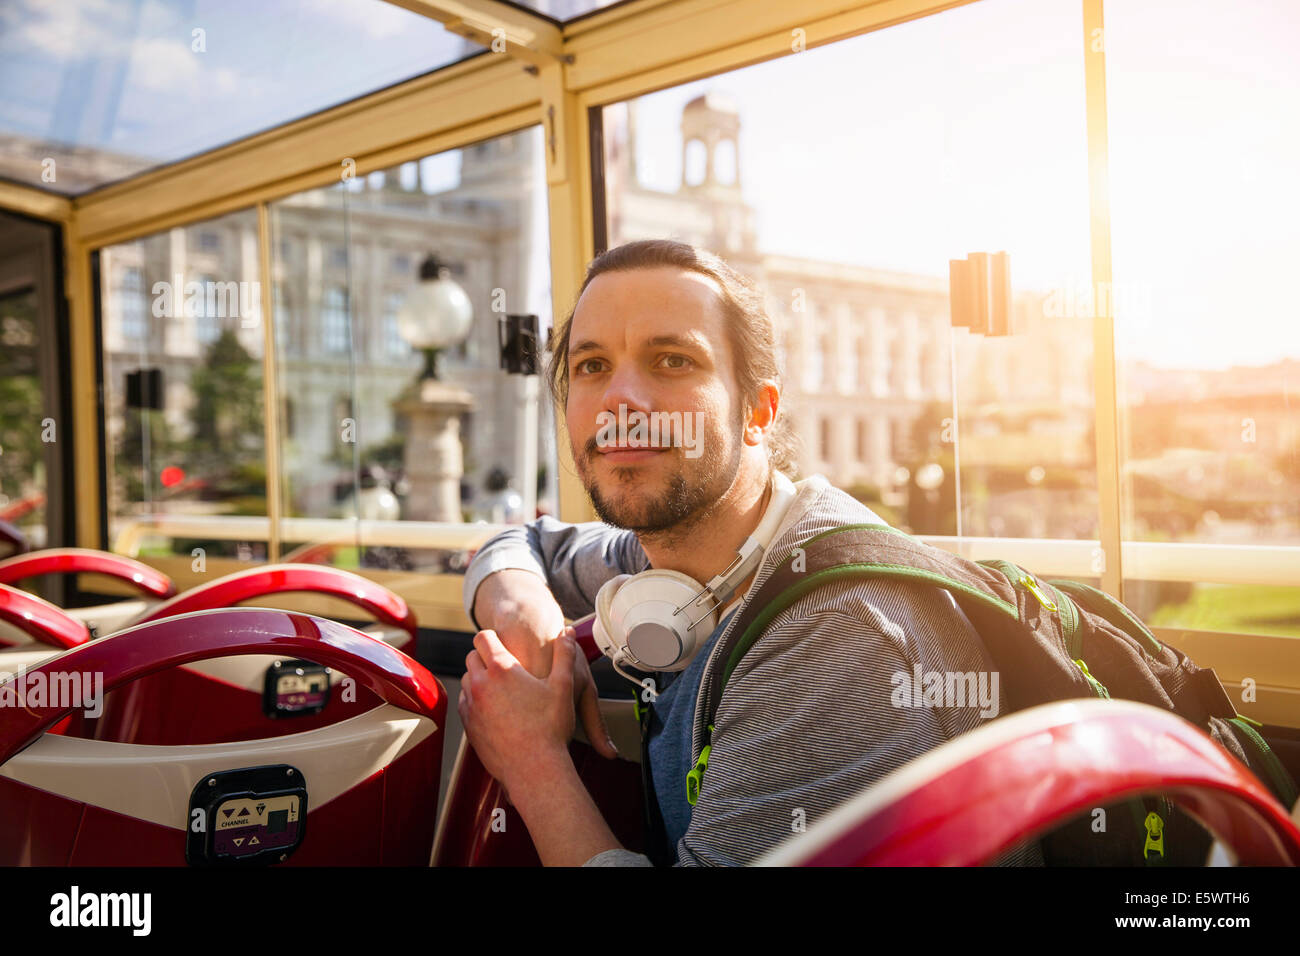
pixel 807 720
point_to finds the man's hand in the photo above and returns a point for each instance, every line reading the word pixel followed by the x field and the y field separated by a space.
pixel 515 720
pixel 520 608
pixel 520 725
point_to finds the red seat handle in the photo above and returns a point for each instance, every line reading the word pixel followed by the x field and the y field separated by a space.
pixel 229 632
pixel 1015 778
pixel 381 603
pixel 148 581
pixel 40 619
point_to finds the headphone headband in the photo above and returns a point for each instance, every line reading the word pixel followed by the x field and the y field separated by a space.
pixel 723 585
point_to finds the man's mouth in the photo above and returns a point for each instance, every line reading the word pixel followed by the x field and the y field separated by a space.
pixel 627 455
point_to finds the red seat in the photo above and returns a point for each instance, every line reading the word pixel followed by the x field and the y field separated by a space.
pixel 1015 778
pixel 371 777
pixel 221 701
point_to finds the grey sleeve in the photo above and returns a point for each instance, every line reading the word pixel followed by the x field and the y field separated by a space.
pixel 619 857
pixel 807 720
pixel 573 559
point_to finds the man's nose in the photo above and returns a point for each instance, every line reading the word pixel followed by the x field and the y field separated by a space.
pixel 630 386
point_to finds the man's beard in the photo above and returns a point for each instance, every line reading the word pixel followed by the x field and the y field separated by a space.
pixel 691 493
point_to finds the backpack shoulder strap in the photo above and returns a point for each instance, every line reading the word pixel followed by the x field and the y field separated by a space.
pixel 859 550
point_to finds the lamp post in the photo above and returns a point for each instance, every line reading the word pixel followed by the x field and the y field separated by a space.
pixel 435 315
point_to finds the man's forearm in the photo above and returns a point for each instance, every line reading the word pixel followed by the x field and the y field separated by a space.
pixel 572 560
pixel 520 608
pixel 566 827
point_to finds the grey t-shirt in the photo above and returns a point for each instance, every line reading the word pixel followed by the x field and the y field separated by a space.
pixel 806 721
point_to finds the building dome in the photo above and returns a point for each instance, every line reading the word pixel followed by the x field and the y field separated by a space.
pixel 713 100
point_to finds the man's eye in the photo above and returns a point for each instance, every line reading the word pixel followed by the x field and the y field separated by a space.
pixel 676 361
pixel 586 366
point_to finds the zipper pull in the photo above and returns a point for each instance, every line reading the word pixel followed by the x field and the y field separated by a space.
pixel 695 778
pixel 1155 835
pixel 1032 587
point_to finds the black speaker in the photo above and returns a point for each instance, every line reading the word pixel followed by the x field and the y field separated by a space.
pixel 518 337
pixel 144 389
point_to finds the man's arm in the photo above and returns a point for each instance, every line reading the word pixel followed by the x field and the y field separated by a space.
pixel 525 581
pixel 574 560
pixel 521 585
pixel 520 726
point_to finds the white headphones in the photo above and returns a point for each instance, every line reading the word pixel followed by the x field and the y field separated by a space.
pixel 642 620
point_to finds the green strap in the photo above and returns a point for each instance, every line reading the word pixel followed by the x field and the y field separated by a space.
pixel 695 778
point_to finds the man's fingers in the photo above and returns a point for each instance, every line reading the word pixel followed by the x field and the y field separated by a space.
pixel 474 663
pixel 492 651
pixel 562 663
pixel 593 721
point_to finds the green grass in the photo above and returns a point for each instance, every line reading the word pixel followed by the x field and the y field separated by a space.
pixel 1246 608
pixel 348 558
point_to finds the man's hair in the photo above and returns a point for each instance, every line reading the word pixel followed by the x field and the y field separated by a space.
pixel 749 329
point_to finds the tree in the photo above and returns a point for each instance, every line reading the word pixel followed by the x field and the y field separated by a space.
pixel 227 418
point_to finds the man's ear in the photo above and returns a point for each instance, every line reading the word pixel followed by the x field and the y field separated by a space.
pixel 762 414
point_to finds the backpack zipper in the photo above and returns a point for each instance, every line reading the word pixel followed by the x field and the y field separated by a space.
pixel 1069 622
pixel 1136 630
pixel 1061 606
pixel 1281 779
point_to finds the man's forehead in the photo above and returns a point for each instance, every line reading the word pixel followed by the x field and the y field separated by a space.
pixel 649 301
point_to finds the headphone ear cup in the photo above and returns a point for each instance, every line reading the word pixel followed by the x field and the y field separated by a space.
pixel 640 618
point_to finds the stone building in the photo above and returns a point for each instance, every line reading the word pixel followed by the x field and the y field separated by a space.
pixel 866 352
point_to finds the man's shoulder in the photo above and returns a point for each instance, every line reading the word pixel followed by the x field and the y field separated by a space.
pixel 820 506
pixel 870 609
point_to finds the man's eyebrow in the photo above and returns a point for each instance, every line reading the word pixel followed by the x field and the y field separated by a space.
pixel 697 342
pixel 680 341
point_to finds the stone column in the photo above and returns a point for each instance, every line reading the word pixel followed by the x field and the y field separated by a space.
pixel 433 456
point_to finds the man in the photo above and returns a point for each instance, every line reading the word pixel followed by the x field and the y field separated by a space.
pixel 806 720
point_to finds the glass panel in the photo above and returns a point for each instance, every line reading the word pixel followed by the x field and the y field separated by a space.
pixel 182 333
pixel 97 92
pixel 1204 200
pixel 1200 606
pixel 850 227
pixel 564 10
pixel 22 410
pixel 362 434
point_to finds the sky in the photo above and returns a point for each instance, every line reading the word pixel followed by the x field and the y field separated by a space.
pixel 966 132
pixel 165 79
pixel 900 149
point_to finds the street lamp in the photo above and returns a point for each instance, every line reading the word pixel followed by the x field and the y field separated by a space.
pixel 435 314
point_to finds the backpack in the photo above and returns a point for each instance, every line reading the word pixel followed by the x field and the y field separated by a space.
pixel 1050 640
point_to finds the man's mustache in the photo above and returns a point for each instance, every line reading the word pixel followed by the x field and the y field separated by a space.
pixel 656 430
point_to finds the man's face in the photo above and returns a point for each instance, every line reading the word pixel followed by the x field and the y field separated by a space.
pixel 654 342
